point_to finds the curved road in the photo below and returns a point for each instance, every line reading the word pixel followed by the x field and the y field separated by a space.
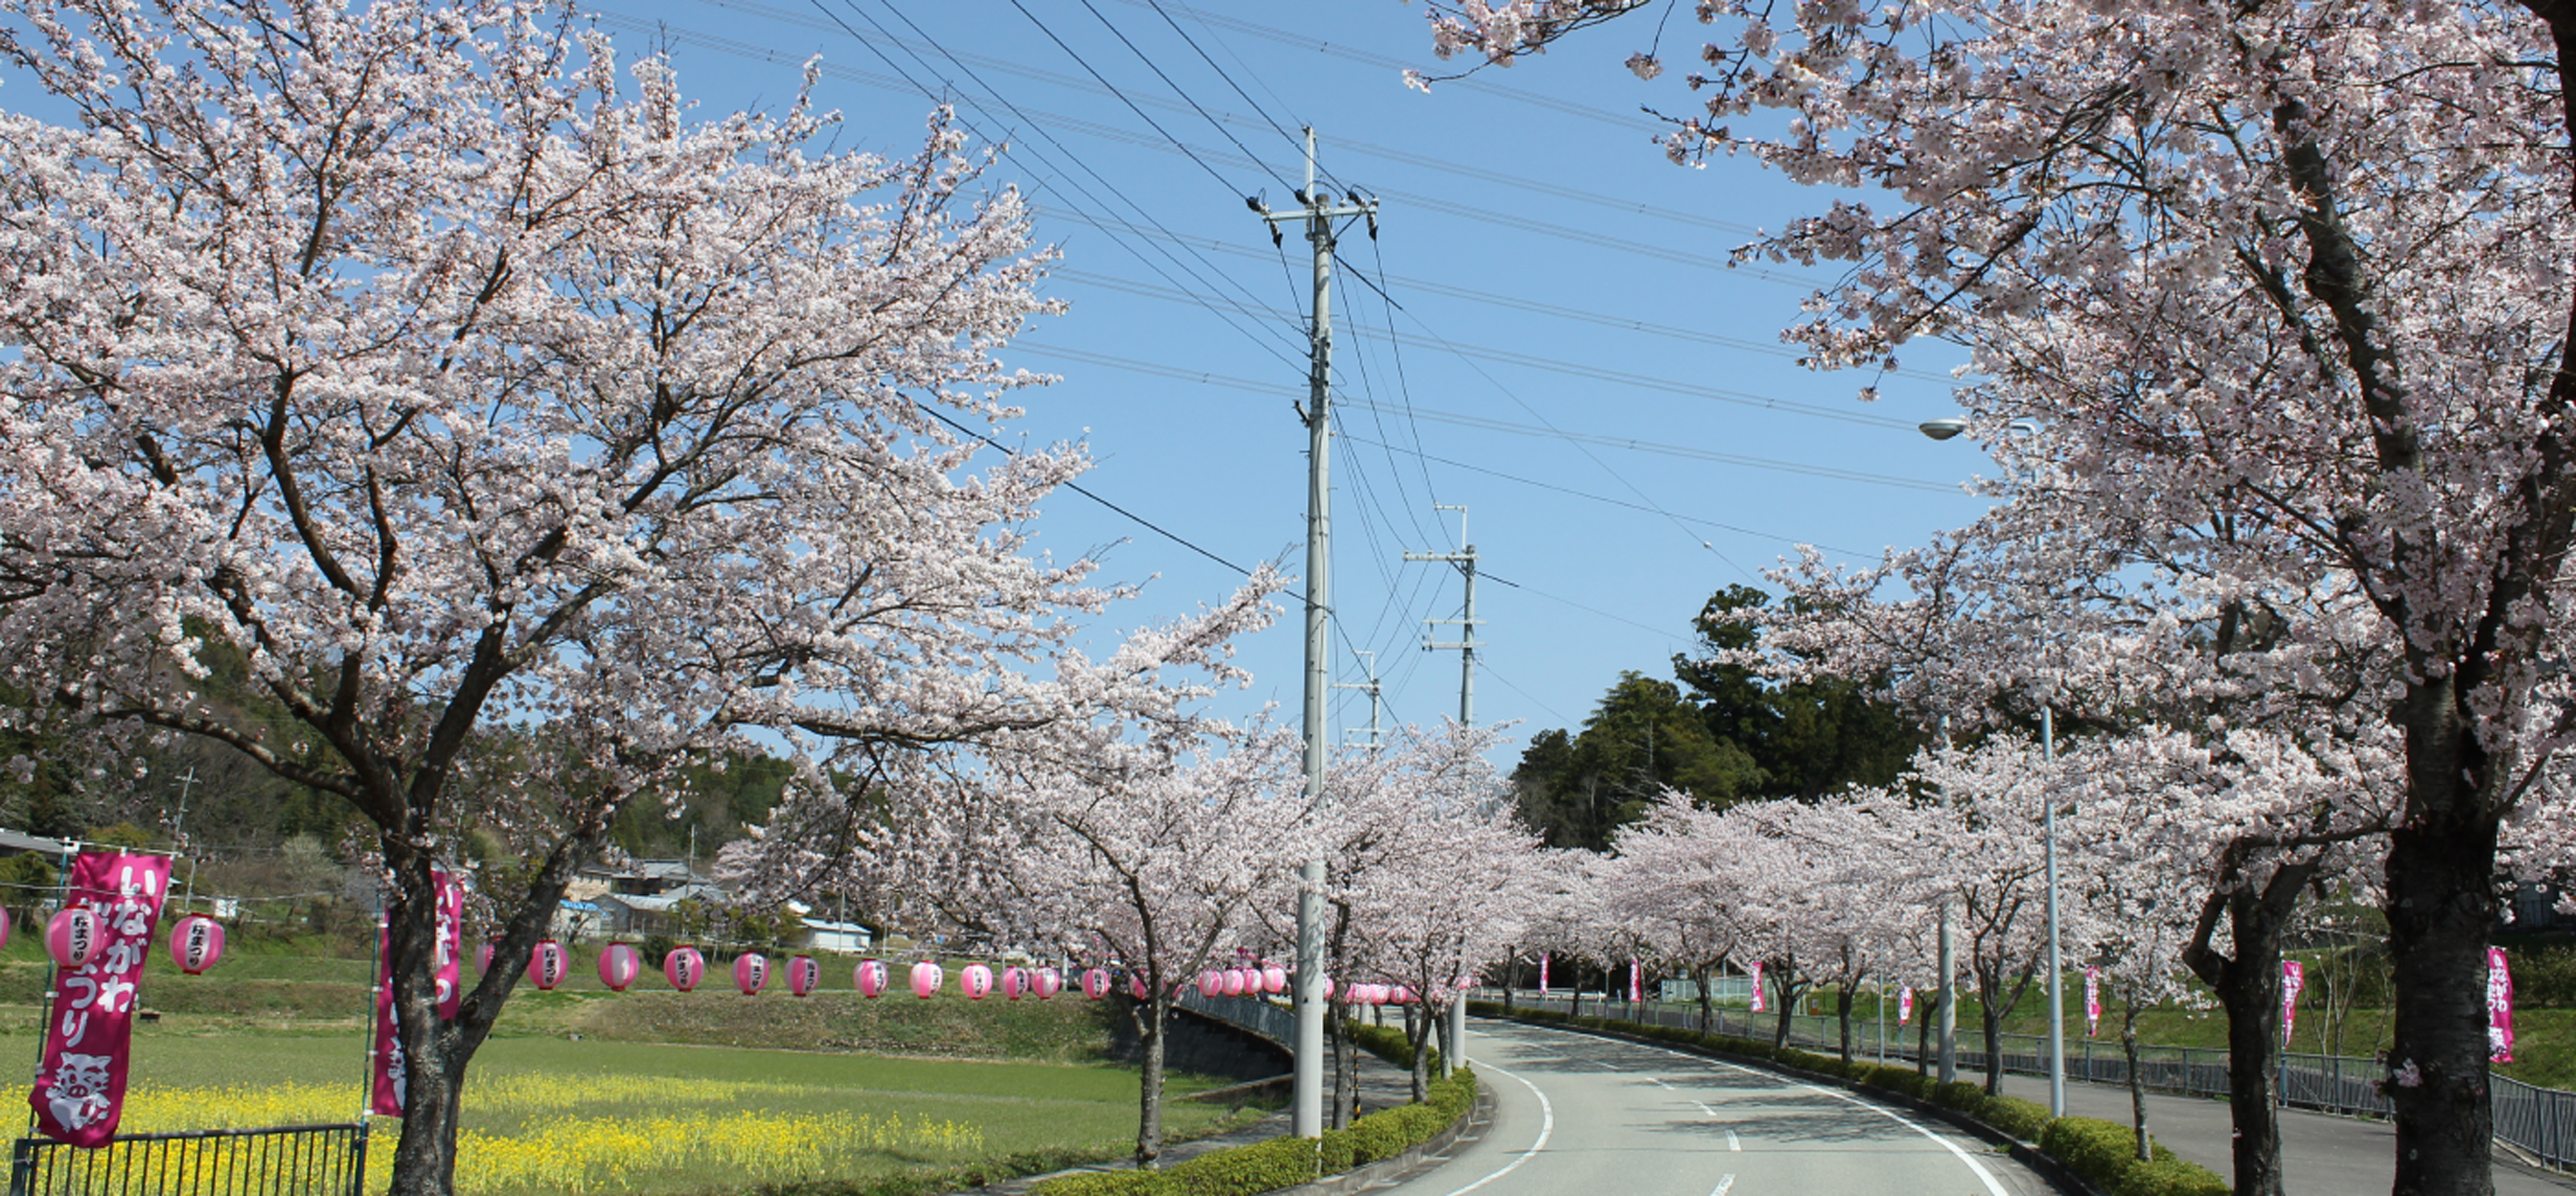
pixel 1578 1114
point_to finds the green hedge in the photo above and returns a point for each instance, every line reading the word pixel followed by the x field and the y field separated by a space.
pixel 2103 1152
pixel 1288 1162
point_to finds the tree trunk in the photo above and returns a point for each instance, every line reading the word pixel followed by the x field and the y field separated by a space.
pixel 436 1051
pixel 1849 990
pixel 2441 904
pixel 1923 1036
pixel 2137 1080
pixel 1990 1018
pixel 1707 1003
pixel 1421 1053
pixel 2249 989
pixel 1150 1024
pixel 1346 1066
pixel 1788 1003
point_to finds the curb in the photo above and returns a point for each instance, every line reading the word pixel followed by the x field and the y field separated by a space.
pixel 2057 1173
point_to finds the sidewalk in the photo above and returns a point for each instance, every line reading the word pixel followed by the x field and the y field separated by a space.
pixel 2321 1154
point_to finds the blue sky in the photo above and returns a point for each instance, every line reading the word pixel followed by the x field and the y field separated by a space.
pixel 1566 353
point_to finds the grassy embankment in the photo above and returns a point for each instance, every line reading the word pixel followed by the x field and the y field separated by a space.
pixel 650 1091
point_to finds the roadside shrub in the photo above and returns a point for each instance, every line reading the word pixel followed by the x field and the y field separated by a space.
pixel 2170 1177
pixel 1961 1095
pixel 2100 1151
pixel 1286 1162
pixel 1895 1079
pixel 2015 1116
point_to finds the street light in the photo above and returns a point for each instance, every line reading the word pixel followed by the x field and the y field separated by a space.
pixel 1944 429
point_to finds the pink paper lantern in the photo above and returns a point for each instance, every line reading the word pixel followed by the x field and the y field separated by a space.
pixel 619 965
pixel 1211 982
pixel 1234 984
pixel 803 976
pixel 750 972
pixel 1136 985
pixel 73 939
pixel 1328 988
pixel 4 928
pixel 870 978
pixel 926 979
pixel 684 967
pixel 547 964
pixel 1015 983
pixel 1274 980
pixel 1403 995
pixel 196 942
pixel 1095 983
pixel 976 981
pixel 1047 983
pixel 483 957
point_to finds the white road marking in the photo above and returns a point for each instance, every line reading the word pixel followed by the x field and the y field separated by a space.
pixel 1731 1143
pixel 1546 1126
pixel 1703 1107
pixel 1659 1080
pixel 1723 1183
pixel 1983 1176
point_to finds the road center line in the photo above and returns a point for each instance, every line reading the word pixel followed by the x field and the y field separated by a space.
pixel 1546 1126
pixel 1983 1176
pixel 1724 1182
pixel 1731 1143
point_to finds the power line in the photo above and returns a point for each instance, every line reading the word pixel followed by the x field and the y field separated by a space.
pixel 1547 430
pixel 1078 488
pixel 1535 591
pixel 1533 361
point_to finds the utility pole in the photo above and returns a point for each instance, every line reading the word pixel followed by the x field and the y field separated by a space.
pixel 1949 1012
pixel 1318 212
pixel 1465 560
pixel 179 836
pixel 1377 699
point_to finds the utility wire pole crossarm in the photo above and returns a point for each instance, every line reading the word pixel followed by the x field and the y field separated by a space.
pixel 1377 701
pixel 1318 213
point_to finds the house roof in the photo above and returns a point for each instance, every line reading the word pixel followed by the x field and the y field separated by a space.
pixel 22 841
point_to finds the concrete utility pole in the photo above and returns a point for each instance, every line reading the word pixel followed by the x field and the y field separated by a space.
pixel 1465 560
pixel 1949 971
pixel 1377 700
pixel 1318 212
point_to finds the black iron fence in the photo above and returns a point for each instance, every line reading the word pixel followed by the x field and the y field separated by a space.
pixel 301 1160
pixel 2539 1120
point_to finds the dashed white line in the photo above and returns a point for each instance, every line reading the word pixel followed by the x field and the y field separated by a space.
pixel 1731 1143
pixel 1979 1169
pixel 1723 1183
pixel 1703 1107
pixel 1546 1126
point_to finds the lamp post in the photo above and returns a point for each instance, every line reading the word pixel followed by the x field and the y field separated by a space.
pixel 1944 429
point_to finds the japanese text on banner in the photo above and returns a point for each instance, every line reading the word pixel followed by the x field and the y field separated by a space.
pixel 391 1075
pixel 80 1090
pixel 2499 1008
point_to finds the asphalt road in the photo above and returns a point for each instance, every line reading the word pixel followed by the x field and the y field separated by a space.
pixel 2321 1155
pixel 1576 1114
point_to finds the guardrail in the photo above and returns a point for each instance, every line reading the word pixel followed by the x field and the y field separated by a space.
pixel 2539 1120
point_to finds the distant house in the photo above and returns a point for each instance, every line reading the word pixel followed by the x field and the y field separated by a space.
pixel 21 843
pixel 652 913
pixel 847 938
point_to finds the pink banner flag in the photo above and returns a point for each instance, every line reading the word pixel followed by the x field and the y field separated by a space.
pixel 2499 1008
pixel 1636 981
pixel 2092 1002
pixel 1904 1005
pixel 2294 977
pixel 1756 969
pixel 1542 973
pixel 80 1089
pixel 391 1073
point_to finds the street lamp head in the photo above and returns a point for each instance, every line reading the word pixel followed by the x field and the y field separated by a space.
pixel 1943 428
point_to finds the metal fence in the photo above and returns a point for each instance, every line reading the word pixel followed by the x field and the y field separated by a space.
pixel 302 1160
pixel 2539 1120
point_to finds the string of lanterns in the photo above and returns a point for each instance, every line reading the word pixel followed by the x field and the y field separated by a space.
pixel 72 939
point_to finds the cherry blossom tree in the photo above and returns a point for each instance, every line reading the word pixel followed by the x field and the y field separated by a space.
pixel 478 396
pixel 2300 270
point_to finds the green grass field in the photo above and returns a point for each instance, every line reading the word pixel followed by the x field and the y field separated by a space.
pixel 651 1091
